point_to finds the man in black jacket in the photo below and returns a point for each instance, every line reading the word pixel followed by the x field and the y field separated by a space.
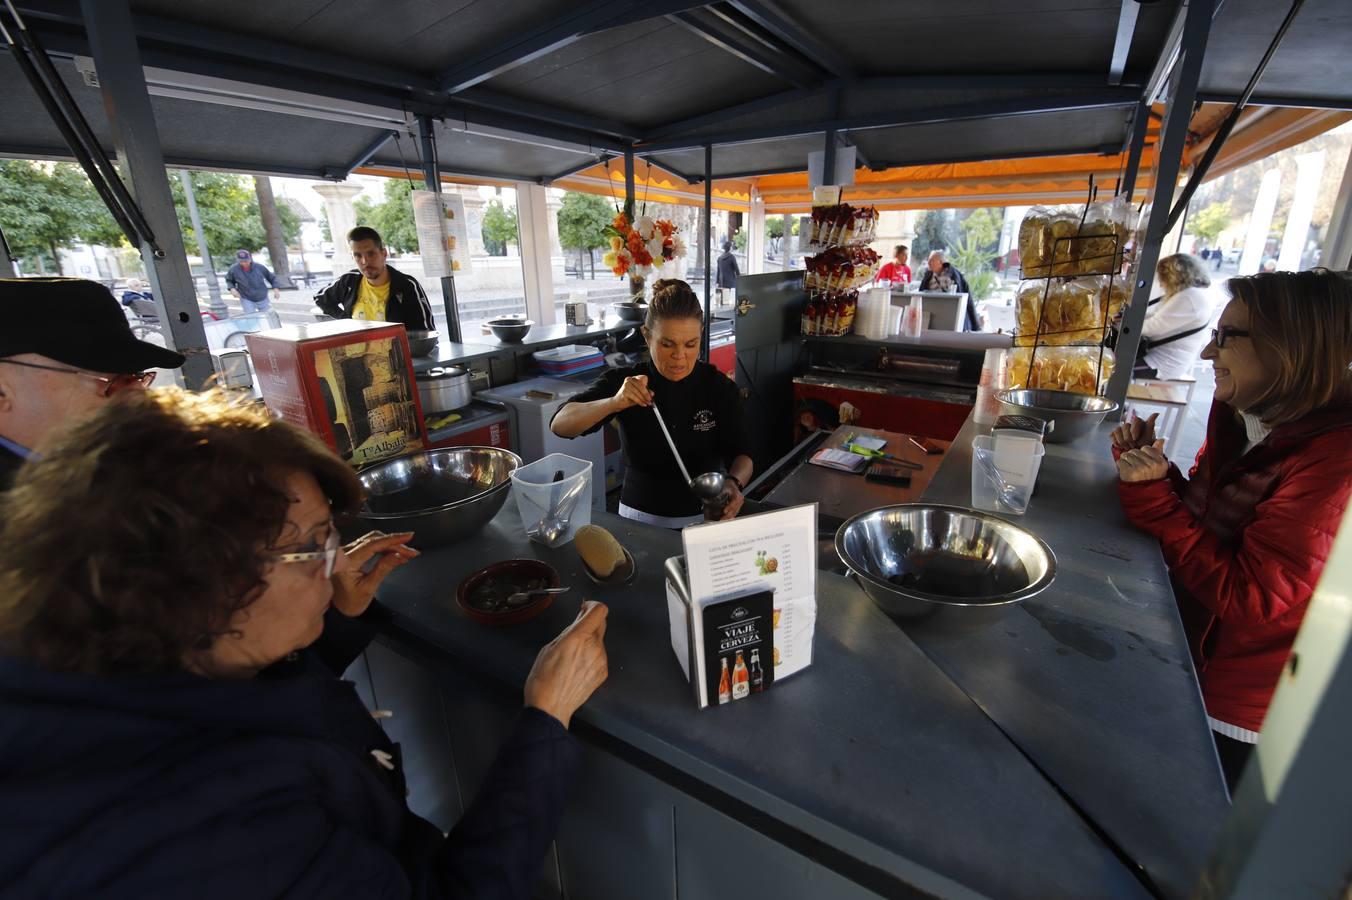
pixel 942 276
pixel 65 349
pixel 376 291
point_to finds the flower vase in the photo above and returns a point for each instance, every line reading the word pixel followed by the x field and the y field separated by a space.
pixel 636 289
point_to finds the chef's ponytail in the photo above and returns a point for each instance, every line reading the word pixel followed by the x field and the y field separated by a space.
pixel 673 299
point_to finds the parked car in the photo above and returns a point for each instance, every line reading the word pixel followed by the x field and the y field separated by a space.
pixel 1232 255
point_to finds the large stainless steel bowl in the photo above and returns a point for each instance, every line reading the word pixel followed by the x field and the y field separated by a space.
pixel 422 343
pixel 630 312
pixel 914 558
pixel 1072 415
pixel 442 496
pixel 510 330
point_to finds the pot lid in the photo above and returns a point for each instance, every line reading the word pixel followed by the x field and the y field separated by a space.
pixel 441 373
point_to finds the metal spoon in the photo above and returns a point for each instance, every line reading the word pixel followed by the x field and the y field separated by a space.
pixel 520 597
pixel 554 525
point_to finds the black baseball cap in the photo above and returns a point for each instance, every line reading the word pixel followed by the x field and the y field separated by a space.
pixel 77 322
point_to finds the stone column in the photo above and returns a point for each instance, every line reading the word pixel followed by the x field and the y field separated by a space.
pixel 342 217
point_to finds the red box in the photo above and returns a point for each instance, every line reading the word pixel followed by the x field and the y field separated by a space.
pixel 350 382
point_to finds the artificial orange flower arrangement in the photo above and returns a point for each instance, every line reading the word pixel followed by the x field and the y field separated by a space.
pixel 639 246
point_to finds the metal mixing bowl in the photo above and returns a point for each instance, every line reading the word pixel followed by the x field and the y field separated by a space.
pixel 422 343
pixel 914 558
pixel 511 331
pixel 1072 415
pixel 630 312
pixel 441 496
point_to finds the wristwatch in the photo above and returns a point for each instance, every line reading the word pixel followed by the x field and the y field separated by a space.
pixel 741 488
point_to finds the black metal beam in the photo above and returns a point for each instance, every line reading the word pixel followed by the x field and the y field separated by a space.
pixel 338 173
pixel 769 16
pixel 530 43
pixel 260 50
pixel 688 179
pixel 780 65
pixel 531 132
pixel 986 109
pixel 760 104
pixel 573 170
pixel 1126 30
pixel 707 238
pixel 1334 103
pixel 546 112
pixel 431 166
pixel 1223 132
pixel 1140 124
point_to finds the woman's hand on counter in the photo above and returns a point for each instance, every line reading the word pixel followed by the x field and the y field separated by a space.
pixel 1135 434
pixel 355 582
pixel 634 392
pixel 1143 463
pixel 571 666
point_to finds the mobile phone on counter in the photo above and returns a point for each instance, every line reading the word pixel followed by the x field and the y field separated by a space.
pixel 927 445
pixel 886 473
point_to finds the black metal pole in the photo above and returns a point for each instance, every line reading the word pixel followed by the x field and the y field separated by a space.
pixel 1139 126
pixel 77 125
pixel 708 239
pixel 8 264
pixel 629 181
pixel 432 180
pixel 1223 133
pixel 829 158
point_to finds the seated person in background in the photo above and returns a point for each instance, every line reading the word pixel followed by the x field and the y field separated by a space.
pixel 172 723
pixel 942 276
pixel 896 270
pixel 66 348
pixel 1247 534
pixel 1175 329
pixel 376 291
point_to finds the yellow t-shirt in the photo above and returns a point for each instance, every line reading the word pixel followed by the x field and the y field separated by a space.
pixel 371 301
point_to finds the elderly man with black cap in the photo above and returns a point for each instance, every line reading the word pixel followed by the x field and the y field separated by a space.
pixel 66 349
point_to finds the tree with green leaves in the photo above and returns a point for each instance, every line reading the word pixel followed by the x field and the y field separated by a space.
pixel 228 205
pixel 48 207
pixel 934 231
pixel 499 227
pixel 582 221
pixel 392 216
pixel 982 227
pixel 1211 221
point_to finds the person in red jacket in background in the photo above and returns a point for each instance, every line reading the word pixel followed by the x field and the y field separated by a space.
pixel 1247 534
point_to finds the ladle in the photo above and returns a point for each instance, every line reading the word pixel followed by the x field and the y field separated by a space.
pixel 707 487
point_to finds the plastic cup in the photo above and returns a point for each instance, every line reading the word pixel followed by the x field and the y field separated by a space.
pixel 1015 463
pixel 537 492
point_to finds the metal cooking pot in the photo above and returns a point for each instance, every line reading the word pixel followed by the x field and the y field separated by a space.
pixel 443 388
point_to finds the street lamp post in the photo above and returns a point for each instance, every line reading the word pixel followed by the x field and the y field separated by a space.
pixel 218 307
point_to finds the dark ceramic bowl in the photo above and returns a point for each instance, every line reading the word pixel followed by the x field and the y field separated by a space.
pixel 481 594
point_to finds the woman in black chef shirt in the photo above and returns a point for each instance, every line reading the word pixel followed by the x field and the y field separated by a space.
pixel 699 404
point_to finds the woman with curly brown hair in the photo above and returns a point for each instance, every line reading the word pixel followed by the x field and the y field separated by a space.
pixel 174 609
pixel 698 403
pixel 1247 533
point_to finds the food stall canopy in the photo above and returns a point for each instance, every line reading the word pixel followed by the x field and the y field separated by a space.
pixel 539 90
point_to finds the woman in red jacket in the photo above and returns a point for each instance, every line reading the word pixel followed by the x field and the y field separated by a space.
pixel 1247 534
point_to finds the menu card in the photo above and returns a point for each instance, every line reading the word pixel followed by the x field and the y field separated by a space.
pixel 742 575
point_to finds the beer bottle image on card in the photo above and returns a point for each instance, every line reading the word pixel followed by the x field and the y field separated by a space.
pixel 732 630
pixel 741 681
pixel 757 675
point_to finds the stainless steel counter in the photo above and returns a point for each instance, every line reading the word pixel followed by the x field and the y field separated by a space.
pixel 1092 679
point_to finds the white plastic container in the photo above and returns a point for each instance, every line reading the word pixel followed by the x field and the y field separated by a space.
pixel 537 492
pixel 987 408
pixel 1014 462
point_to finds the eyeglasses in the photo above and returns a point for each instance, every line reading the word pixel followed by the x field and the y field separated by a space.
pixel 329 554
pixel 111 383
pixel 1222 334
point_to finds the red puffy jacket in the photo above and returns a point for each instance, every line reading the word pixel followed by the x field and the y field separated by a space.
pixel 1246 537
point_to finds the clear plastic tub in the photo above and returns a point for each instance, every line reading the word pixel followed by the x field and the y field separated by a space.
pixel 1003 476
pixel 537 492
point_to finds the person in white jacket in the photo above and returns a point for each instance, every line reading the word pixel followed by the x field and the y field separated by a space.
pixel 1175 329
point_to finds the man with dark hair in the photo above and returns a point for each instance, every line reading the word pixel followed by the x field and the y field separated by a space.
pixel 249 282
pixel 65 350
pixel 376 291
